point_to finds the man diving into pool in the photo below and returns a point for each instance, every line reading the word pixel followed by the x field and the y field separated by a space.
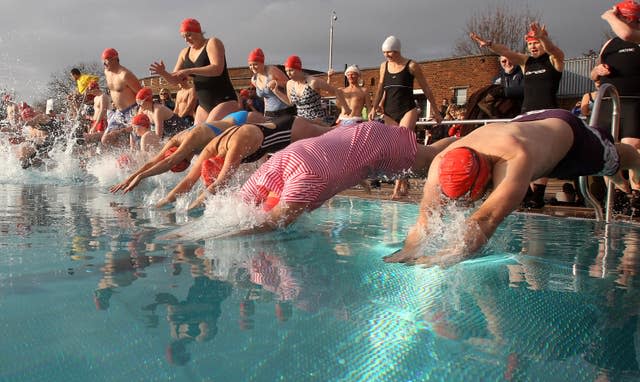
pixel 552 143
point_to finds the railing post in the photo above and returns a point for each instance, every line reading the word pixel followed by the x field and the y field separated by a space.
pixel 615 125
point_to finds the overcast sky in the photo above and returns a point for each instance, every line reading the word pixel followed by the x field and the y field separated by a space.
pixel 38 38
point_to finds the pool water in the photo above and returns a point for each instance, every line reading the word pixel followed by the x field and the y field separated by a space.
pixel 91 289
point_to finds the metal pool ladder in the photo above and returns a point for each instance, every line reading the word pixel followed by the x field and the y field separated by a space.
pixel 615 127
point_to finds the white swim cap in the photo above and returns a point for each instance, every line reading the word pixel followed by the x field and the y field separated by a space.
pixel 392 43
pixel 352 69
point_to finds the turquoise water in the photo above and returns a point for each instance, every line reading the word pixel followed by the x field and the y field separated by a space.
pixel 91 290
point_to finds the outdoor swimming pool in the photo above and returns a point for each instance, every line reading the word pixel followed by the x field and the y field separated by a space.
pixel 90 291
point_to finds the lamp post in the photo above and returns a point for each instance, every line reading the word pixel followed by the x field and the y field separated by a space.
pixel 334 18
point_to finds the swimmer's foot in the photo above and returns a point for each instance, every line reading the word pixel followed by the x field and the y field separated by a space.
pixel 400 256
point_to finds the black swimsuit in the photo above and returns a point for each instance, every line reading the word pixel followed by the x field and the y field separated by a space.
pixel 274 139
pixel 398 88
pixel 592 152
pixel 623 59
pixel 211 91
pixel 541 83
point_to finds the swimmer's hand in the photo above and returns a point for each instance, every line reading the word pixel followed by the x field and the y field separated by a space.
pixel 199 201
pixel 443 259
pixel 412 249
pixel 132 184
pixel 158 68
pixel 163 202
pixel 120 186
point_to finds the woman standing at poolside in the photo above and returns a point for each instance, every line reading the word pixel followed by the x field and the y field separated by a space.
pixel 542 69
pixel 203 59
pixel 395 95
pixel 264 77
pixel 304 92
pixel 619 65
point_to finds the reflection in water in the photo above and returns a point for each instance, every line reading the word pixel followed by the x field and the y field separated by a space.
pixel 553 298
pixel 549 304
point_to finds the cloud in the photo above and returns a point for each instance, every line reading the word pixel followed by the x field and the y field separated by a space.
pixel 41 38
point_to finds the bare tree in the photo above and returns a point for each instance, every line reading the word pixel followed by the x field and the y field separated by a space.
pixel 498 22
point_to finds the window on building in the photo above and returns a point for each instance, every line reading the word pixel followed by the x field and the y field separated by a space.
pixel 373 82
pixel 460 95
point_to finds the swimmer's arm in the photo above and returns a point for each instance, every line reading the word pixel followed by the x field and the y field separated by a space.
pixel 620 28
pixel 282 215
pixel 481 225
pixel 556 55
pixel 284 96
pixel 100 114
pixel 189 180
pixel 278 76
pixel 429 206
pixel 158 122
pixel 320 84
pixel 500 49
pixel 377 98
pixel 113 136
pixel 239 149
pixel 132 82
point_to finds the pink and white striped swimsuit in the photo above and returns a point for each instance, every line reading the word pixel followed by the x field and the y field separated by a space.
pixel 314 170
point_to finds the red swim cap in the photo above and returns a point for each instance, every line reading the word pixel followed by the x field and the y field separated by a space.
pixel 211 169
pixel 629 9
pixel 293 62
pixel 244 92
pixel 271 201
pixel 462 171
pixel 109 53
pixel 181 166
pixel 144 94
pixel 141 120
pixel 27 113
pixel 531 36
pixel 124 161
pixel 190 25
pixel 256 55
pixel 93 85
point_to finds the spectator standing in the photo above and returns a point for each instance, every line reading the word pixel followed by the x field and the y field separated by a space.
pixel 186 101
pixel 166 99
pixel 264 78
pixel 165 121
pixel 357 98
pixel 123 86
pixel 149 141
pixel 304 92
pixel 619 65
pixel 511 89
pixel 101 102
pixel 586 104
pixel 395 95
pixel 542 69
pixel 203 59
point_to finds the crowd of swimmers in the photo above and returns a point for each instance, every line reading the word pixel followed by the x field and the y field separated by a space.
pixel 309 161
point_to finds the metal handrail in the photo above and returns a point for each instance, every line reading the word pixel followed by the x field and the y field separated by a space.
pixel 615 126
pixel 461 122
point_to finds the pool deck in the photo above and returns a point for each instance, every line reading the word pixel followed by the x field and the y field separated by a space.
pixel 415 194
